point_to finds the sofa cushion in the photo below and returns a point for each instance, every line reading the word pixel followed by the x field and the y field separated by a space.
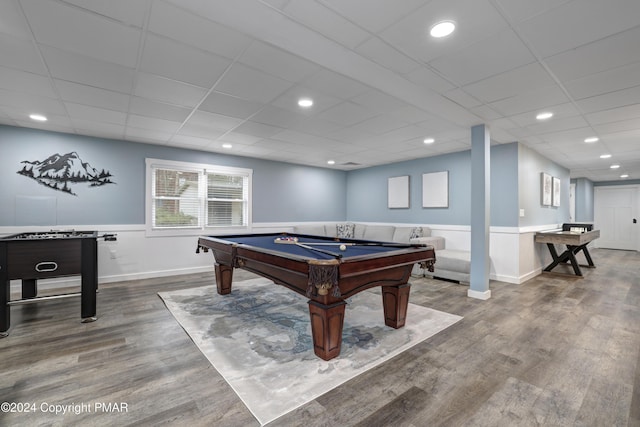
pixel 346 231
pixel 453 260
pixel 382 233
pixel 314 230
pixel 402 234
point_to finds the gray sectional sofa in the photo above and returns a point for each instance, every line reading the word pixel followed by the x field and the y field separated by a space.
pixel 384 233
pixel 450 264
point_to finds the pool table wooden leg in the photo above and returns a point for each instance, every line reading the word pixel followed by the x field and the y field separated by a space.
pixel 326 328
pixel 224 277
pixel 395 300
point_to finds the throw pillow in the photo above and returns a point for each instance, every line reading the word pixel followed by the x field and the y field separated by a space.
pixel 345 231
pixel 416 232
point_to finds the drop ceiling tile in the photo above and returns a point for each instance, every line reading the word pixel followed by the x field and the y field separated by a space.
pixel 346 113
pixel 461 97
pixel 289 100
pixel 276 116
pixel 34 84
pixel 240 138
pixel 428 78
pixel 160 125
pixel 520 10
pixel 93 114
pixel 379 102
pixel 148 135
pixel 606 81
pixel 159 110
pixel 84 70
pixel 379 125
pixel 247 83
pixel 257 129
pixel 326 22
pixel 607 129
pixel 578 23
pixel 213 121
pixel 611 52
pixel 614 114
pixel 475 19
pixel 20 54
pixel 162 89
pixel 12 21
pixel 277 62
pixel 229 105
pixel 498 53
pixel 387 56
pixel 88 95
pixel 84 33
pixel 334 84
pixel 31 103
pixel 177 61
pixel 610 100
pixel 131 12
pixel 510 83
pixel 201 131
pixel 374 15
pixel 192 141
pixel 98 128
pixel 193 30
pixel 530 101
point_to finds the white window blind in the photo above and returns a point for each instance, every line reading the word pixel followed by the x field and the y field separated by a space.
pixel 194 196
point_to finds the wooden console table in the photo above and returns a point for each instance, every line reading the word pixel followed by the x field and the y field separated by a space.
pixel 575 243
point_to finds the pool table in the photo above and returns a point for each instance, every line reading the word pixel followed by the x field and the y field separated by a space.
pixel 325 270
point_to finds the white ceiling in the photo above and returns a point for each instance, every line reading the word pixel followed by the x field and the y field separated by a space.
pixel 200 73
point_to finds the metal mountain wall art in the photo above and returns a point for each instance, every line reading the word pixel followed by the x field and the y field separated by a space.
pixel 60 172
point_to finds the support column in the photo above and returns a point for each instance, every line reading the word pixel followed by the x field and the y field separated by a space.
pixel 480 212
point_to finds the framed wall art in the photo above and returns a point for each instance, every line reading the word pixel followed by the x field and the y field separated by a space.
pixel 546 188
pixel 435 190
pixel 398 192
pixel 556 191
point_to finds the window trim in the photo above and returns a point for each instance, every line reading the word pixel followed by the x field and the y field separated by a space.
pixel 202 169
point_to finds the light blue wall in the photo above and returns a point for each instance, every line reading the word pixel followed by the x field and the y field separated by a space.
pixel 530 167
pixel 367 190
pixel 282 192
pixel 584 200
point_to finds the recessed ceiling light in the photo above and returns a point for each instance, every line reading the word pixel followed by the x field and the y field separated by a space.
pixel 429 140
pixel 624 175
pixel 38 117
pixel 544 116
pixel 605 156
pixel 227 145
pixel 305 102
pixel 591 139
pixel 331 162
pixel 614 166
pixel 442 29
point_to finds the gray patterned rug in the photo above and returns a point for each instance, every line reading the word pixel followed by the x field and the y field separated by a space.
pixel 259 339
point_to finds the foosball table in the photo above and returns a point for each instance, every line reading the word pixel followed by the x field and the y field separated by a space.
pixel 43 255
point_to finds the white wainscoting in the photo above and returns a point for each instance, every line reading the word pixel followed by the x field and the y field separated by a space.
pixel 515 257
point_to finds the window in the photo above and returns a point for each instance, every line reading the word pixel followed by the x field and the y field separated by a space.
pixel 189 196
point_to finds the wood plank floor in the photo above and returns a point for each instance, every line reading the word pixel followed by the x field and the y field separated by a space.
pixel 554 351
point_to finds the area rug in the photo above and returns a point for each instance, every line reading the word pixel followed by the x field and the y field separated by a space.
pixel 259 339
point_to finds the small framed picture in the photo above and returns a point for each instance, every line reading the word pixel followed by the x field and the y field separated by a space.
pixel 556 191
pixel 546 189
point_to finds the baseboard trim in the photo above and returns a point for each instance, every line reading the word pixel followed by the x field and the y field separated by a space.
pixel 154 274
pixel 479 295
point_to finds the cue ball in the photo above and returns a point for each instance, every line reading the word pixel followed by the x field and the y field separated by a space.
pixel 343 248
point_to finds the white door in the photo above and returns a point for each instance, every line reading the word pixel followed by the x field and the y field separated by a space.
pixel 615 216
